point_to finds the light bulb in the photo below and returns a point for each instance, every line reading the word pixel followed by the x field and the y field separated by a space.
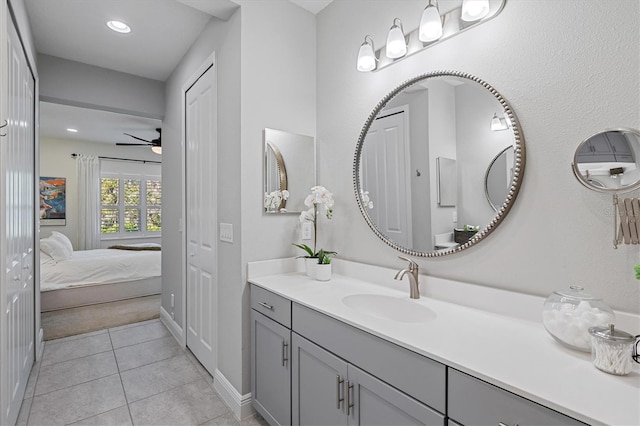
pixel 430 24
pixel 472 10
pixel 396 44
pixel 366 56
pixel 157 149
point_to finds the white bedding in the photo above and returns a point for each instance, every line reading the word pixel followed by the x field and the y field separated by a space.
pixel 100 266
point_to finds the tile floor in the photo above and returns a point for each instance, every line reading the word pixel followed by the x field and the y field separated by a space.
pixel 136 374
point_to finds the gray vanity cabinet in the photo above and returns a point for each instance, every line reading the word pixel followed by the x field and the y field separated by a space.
pixel 318 385
pixel 474 402
pixel 270 356
pixel 330 391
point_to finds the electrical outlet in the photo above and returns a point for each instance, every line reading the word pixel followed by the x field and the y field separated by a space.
pixel 306 231
pixel 455 216
pixel 226 232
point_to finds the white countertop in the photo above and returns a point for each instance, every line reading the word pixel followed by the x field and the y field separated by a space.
pixel 508 349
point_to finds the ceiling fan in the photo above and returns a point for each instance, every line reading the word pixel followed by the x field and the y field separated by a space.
pixel 155 144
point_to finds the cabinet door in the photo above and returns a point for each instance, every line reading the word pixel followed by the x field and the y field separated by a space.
pixel 270 369
pixel 376 403
pixel 477 403
pixel 319 380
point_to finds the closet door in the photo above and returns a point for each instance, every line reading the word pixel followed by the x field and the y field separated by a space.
pixel 17 189
pixel 201 200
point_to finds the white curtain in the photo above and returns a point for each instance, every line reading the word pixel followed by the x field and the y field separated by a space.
pixel 88 173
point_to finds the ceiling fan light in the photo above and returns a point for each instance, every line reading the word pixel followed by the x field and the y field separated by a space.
pixel 430 24
pixel 156 149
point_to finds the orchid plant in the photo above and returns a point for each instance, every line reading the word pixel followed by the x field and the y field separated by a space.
pixel 274 199
pixel 320 201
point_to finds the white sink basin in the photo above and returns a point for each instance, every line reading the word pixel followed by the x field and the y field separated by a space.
pixel 389 308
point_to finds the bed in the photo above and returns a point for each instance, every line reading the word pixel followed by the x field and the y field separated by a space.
pixel 77 278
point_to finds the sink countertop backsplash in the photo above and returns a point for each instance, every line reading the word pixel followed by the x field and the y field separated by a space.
pixel 492 334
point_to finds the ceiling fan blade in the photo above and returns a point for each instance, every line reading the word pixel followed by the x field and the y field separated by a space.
pixel 135 137
pixel 133 144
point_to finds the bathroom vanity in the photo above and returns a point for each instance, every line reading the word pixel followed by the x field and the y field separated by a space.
pixel 359 351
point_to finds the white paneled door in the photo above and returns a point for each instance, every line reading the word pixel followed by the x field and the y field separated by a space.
pixel 17 241
pixel 201 208
pixel 385 171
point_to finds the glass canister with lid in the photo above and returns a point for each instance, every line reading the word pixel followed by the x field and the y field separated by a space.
pixel 568 314
pixel 613 350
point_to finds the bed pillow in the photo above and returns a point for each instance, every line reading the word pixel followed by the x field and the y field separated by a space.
pixel 54 248
pixel 64 240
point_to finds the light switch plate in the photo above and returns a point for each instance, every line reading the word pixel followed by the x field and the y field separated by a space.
pixel 226 232
pixel 306 231
pixel 455 216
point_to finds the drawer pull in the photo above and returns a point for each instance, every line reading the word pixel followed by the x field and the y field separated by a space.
pixel 265 305
pixel 504 424
pixel 349 398
pixel 285 353
pixel 339 381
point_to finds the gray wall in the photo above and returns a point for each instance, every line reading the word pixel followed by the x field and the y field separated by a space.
pixel 266 78
pixel 74 83
pixel 223 38
pixel 569 70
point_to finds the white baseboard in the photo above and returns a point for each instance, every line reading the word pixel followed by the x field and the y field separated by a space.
pixel 240 405
pixel 173 327
pixel 40 347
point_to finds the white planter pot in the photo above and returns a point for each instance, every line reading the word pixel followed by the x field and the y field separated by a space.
pixel 310 266
pixel 323 272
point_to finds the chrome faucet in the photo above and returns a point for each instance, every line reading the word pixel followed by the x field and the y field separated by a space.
pixel 414 291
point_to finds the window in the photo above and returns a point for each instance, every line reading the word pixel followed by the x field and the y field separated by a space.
pixel 130 205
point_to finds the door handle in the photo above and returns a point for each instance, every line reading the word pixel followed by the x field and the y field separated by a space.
pixel 339 382
pixel 285 353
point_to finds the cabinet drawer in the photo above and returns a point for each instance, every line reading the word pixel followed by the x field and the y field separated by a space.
pixel 412 373
pixel 474 402
pixel 270 304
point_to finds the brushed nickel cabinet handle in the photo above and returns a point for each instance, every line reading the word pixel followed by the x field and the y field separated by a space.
pixel 350 403
pixel 339 382
pixel 285 352
pixel 265 305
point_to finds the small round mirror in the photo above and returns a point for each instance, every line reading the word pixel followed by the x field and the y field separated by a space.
pixel 609 161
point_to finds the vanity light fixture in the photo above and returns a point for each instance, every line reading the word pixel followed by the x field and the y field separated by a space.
pixel 434 28
pixel 366 55
pixel 498 123
pixel 157 149
pixel 396 43
pixel 119 27
pixel 431 23
pixel 473 10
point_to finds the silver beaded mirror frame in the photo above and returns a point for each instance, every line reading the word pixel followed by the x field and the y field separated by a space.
pixel 517 171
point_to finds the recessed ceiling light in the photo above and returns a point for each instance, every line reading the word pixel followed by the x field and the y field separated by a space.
pixel 72 130
pixel 119 27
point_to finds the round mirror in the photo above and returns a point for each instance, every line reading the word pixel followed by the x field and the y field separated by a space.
pixel 498 178
pixel 608 161
pixel 422 161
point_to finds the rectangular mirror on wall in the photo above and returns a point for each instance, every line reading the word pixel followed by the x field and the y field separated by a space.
pixel 447 182
pixel 289 170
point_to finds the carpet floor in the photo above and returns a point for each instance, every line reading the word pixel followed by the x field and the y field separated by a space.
pixel 84 319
